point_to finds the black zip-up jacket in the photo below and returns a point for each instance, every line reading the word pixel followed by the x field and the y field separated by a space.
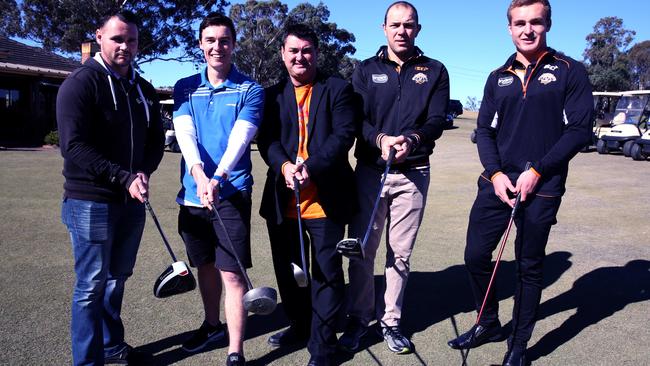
pixel 410 102
pixel 545 120
pixel 106 133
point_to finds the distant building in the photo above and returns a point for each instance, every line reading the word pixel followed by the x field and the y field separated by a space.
pixel 29 80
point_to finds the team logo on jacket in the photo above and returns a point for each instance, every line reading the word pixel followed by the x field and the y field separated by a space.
pixel 505 81
pixel 420 78
pixel 379 78
pixel 546 78
pixel 139 101
pixel 551 67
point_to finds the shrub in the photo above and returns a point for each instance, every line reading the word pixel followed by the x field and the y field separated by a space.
pixel 52 138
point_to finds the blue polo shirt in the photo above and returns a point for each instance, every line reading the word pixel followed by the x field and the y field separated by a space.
pixel 214 110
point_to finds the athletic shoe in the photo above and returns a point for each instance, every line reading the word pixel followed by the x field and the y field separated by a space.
pixel 130 356
pixel 235 359
pixel 204 335
pixel 395 341
pixel 351 337
pixel 288 337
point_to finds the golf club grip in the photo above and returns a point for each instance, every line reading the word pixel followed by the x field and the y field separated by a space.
pixel 232 247
pixel 518 198
pixel 162 234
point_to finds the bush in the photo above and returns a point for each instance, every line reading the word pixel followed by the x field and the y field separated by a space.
pixel 52 138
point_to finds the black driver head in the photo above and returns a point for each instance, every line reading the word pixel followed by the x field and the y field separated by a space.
pixel 176 279
pixel 350 248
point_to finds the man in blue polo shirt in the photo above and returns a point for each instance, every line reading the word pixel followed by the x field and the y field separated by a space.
pixel 216 114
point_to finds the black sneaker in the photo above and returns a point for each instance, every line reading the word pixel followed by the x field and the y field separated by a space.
pixel 204 335
pixel 130 356
pixel 396 341
pixel 235 359
pixel 351 337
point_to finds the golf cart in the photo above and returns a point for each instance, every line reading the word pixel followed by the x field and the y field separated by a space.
pixel 641 148
pixel 604 107
pixel 166 113
pixel 630 117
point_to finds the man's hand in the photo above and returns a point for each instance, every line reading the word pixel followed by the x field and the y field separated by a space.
pixel 211 197
pixel 401 144
pixel 139 188
pixel 299 171
pixel 526 183
pixel 204 186
pixel 502 185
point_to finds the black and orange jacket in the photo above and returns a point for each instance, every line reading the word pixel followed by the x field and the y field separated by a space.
pixel 545 120
pixel 410 100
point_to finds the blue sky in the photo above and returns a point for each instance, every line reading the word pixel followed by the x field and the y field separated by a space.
pixel 469 36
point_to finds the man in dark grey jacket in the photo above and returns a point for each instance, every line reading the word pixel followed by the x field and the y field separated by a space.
pixel 111 141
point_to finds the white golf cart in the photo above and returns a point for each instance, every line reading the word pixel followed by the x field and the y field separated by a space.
pixel 641 148
pixel 166 113
pixel 604 107
pixel 630 117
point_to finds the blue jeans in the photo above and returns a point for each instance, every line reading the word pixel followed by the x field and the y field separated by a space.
pixel 105 239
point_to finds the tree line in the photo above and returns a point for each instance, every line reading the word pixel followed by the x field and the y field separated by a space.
pixel 169 30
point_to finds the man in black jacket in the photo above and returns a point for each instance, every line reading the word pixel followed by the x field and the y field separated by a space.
pixel 308 128
pixel 405 96
pixel 111 141
pixel 536 108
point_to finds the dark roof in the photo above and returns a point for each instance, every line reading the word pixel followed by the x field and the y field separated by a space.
pixel 19 54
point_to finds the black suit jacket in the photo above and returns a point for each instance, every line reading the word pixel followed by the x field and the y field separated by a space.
pixel 333 117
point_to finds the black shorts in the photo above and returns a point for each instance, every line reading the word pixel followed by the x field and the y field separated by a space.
pixel 204 238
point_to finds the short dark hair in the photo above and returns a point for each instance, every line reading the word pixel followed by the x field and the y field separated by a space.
pixel 520 3
pixel 217 19
pixel 405 4
pixel 124 15
pixel 302 31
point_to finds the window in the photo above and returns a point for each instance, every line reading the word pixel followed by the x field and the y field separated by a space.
pixel 9 98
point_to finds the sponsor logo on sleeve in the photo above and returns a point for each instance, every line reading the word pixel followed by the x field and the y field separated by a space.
pixel 379 78
pixel 505 81
pixel 546 78
pixel 420 78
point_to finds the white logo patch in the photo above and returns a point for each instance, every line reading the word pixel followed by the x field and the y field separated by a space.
pixel 550 67
pixel 379 78
pixel 505 81
pixel 546 78
pixel 420 78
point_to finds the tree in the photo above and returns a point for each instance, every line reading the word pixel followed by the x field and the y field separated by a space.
pixel 639 61
pixel 62 25
pixel 605 55
pixel 259 29
pixel 9 18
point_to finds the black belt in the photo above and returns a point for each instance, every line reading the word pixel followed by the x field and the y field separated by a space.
pixel 410 168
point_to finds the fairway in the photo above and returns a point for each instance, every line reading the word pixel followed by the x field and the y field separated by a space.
pixel 594 310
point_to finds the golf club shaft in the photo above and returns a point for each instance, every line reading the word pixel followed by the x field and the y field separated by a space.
pixel 501 247
pixel 155 220
pixel 232 247
pixel 391 156
pixel 296 189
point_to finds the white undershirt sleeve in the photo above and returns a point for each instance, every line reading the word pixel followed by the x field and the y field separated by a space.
pixel 240 137
pixel 186 138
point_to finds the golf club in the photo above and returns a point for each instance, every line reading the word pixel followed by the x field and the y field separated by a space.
pixel 498 259
pixel 300 274
pixel 261 300
pixel 177 278
pixel 351 247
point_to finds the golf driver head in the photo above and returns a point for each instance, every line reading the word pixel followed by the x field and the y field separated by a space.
pixel 261 300
pixel 350 247
pixel 299 275
pixel 176 279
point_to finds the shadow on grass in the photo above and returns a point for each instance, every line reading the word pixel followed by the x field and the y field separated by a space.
pixel 595 296
pixel 168 350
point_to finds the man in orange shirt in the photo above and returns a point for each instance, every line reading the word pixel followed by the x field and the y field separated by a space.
pixel 308 128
